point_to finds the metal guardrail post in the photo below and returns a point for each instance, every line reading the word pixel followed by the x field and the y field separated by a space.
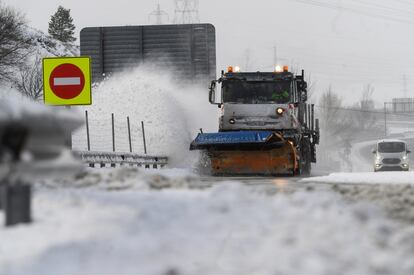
pixel 143 137
pixel 385 119
pixel 113 132
pixel 129 135
pixel 87 130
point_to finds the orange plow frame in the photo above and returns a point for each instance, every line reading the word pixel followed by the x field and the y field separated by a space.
pixel 262 161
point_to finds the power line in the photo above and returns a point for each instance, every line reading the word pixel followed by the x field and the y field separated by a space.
pixel 354 10
pixel 384 8
pixel 364 111
pixel 408 3
pixel 186 12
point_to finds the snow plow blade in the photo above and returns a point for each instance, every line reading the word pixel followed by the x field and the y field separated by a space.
pixel 247 153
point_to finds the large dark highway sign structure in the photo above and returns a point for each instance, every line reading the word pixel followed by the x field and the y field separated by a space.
pixel 187 50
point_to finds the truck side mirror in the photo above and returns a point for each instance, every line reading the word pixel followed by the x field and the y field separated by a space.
pixel 304 96
pixel 212 93
pixel 408 151
pixel 374 151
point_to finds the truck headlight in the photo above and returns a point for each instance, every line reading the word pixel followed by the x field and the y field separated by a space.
pixel 404 158
pixel 280 111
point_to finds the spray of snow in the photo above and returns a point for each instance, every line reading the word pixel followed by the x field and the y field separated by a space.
pixel 172 112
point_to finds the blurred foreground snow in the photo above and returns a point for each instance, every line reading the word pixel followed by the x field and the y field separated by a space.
pixel 150 223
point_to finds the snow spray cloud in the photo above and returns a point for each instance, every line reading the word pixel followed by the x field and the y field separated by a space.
pixel 172 112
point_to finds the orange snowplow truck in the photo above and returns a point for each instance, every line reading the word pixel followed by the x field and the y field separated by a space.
pixel 266 126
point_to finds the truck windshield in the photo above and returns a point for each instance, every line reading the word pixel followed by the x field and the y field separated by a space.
pixel 254 92
pixel 391 147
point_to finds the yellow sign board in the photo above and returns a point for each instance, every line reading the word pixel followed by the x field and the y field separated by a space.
pixel 67 81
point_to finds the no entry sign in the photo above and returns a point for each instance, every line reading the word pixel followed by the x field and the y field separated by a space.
pixel 67 81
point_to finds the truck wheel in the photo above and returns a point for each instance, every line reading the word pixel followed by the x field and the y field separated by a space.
pixel 306 158
pixel 203 167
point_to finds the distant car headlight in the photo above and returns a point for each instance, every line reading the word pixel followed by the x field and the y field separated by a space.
pixel 232 121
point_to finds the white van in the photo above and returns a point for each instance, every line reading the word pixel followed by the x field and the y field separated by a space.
pixel 391 155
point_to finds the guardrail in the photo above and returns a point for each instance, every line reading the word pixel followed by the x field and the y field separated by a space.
pixel 104 159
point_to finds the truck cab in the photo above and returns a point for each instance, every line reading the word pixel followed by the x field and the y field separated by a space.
pixel 274 101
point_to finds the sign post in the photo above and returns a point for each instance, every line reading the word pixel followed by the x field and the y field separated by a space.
pixel 67 82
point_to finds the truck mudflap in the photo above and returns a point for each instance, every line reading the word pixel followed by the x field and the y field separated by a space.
pixel 248 153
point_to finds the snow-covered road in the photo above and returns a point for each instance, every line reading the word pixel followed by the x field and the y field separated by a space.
pixel 129 222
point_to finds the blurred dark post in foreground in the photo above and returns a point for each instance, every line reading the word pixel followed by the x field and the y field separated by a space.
pixel 32 137
pixel 15 196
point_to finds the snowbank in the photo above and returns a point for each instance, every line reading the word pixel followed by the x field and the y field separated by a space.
pixel 365 178
pixel 229 229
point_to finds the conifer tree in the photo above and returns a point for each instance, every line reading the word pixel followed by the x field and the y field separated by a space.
pixel 61 25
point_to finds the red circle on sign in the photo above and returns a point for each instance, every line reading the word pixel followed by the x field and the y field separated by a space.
pixel 67 81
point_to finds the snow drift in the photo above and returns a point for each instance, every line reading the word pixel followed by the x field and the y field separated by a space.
pixel 366 178
pixel 229 229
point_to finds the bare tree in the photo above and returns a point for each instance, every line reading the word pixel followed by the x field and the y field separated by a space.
pixel 336 121
pixel 365 118
pixel 14 44
pixel 30 82
pixel 337 130
pixel 330 105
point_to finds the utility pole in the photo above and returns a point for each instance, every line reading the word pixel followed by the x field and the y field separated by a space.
pixel 159 15
pixel 186 12
pixel 405 86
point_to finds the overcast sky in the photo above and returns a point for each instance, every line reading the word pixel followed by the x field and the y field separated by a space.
pixel 343 43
